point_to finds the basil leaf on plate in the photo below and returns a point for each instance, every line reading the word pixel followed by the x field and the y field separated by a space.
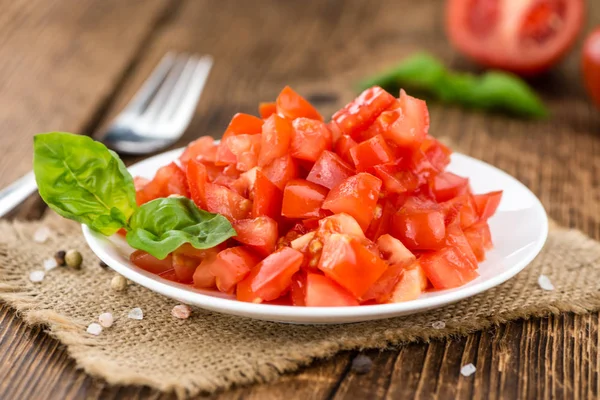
pixel 162 225
pixel 82 180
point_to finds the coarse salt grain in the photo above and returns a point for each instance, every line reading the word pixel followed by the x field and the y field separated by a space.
pixel 50 263
pixel 94 329
pixel 468 370
pixel 545 283
pixel 106 319
pixel 41 234
pixel 36 276
pixel 439 325
pixel 181 311
pixel 136 313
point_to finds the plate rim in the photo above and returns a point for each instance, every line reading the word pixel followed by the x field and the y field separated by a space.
pixel 284 313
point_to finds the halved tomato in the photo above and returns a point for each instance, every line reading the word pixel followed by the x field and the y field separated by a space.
pixel 150 263
pixel 276 138
pixel 526 37
pixel 231 266
pixel 329 170
pixel 487 204
pixel 281 171
pixel 302 199
pixel 291 105
pixel 226 202
pixel 266 109
pixel 259 234
pixel 370 153
pixel 321 291
pixel 309 139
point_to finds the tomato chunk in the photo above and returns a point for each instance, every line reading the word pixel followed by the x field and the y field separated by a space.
pixel 309 139
pixel 298 289
pixel 381 291
pixel 411 285
pixel 419 228
pixel 380 225
pixel 394 252
pixel 329 170
pixel 281 171
pixel 259 234
pixel 222 200
pixel 362 111
pixel 243 124
pixel 447 186
pixel 197 178
pixel 291 105
pixel 480 239
pixel 370 153
pixel 324 292
pixel 302 199
pixel 267 109
pixel 245 149
pixel 343 146
pixel 276 139
pixel 397 179
pixel 231 266
pixel 348 262
pixel 339 223
pixel 356 196
pixel 202 149
pixel 447 268
pixel 272 277
pixel 266 197
pixel 487 204
pixel 150 263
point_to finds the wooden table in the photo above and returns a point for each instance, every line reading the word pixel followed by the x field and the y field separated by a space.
pixel 71 65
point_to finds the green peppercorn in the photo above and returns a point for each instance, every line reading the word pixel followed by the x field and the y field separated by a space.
pixel 73 259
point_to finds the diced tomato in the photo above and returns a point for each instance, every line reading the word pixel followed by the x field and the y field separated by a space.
pixel 362 111
pixel 184 267
pixel 464 207
pixel 259 234
pixel 394 252
pixel 456 239
pixel 168 180
pixel 291 106
pixel 343 146
pixel 139 182
pixel 150 263
pixel 141 196
pixel 231 266
pixel 380 225
pixel 324 292
pixel 298 289
pixel 419 228
pixel 335 130
pixel 348 262
pixel 381 290
pixel 276 138
pixel 281 171
pixel 309 139
pixel 197 180
pixel 266 109
pixel 447 268
pixel 266 197
pixel 243 124
pixel 302 199
pixel 487 204
pixel 397 179
pixel 437 153
pixel 329 170
pixel 301 243
pixel 411 285
pixel 356 196
pixel 246 149
pixel 370 153
pixel 339 223
pixel 272 277
pixel 447 186
pixel 203 277
pixel 479 238
pixel 226 202
pixel 201 149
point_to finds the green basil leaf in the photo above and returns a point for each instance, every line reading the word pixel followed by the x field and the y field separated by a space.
pixel 82 180
pixel 160 226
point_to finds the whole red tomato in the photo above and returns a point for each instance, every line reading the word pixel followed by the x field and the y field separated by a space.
pixel 591 65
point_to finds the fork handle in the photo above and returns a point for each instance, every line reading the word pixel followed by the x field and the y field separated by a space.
pixel 15 193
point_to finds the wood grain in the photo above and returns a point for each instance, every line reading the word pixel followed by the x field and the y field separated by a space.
pixel 317 47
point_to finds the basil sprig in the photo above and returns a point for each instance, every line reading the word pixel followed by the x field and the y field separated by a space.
pixel 82 180
pixel 493 90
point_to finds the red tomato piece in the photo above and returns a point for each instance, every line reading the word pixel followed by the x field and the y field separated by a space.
pixel 291 106
pixel 394 252
pixel 526 37
pixel 281 171
pixel 462 206
pixel 309 139
pixel 168 180
pixel 381 291
pixel 480 239
pixel 243 124
pixel 302 199
pixel 343 146
pixel 419 227
pixel 397 179
pixel 406 126
pixel 487 204
pixel 356 196
pixel 197 178
pixel 202 149
pixel 447 186
pixel 266 109
pixel 246 149
pixel 437 153
pixel 339 223
pixel 321 291
pixel 447 268
pixel 298 289
pixel 203 278
pixel 370 153
pixel 266 197
pixel 356 116
pixel 272 277
pixel 348 262
pixel 259 234
pixel 184 267
pixel 411 285
pixel 329 170
pixel 150 263
pixel 456 238
pixel 276 138
pixel 231 266
pixel 222 200
pixel 382 217
pixel 590 62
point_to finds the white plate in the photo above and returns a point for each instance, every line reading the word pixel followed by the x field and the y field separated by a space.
pixel 519 230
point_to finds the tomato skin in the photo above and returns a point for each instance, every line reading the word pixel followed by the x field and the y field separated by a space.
pixel 590 63
pixel 231 266
pixel 281 171
pixel 436 152
pixel 356 196
pixel 357 115
pixel 309 139
pixel 243 124
pixel 197 178
pixel 349 263
pixel 259 234
pixel 201 149
pixel 302 199
pixel 329 170
pixel 462 206
pixel 222 200
pixel 447 186
pixel 203 278
pixel 370 153
pixel 447 268
pixel 266 109
pixel 343 146
pixel 272 277
pixel 419 229
pixel 396 179
pixel 487 204
pixel 321 291
pixel 150 263
pixel 267 197
pixel 291 106
pixel 525 41
pixel 480 239
pixel 276 138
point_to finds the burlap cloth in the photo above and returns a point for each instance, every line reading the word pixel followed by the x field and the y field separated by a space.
pixel 212 351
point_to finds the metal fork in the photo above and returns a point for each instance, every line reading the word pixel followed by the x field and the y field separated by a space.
pixel 155 118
